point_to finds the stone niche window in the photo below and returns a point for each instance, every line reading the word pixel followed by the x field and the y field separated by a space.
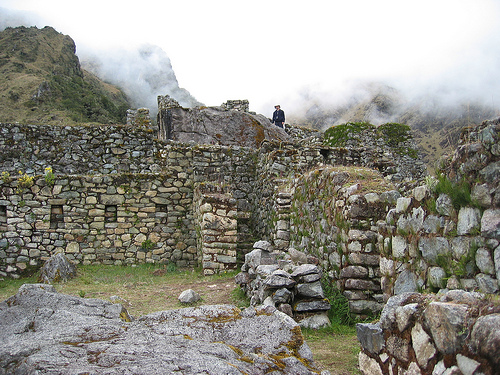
pixel 110 213
pixel 161 213
pixel 3 215
pixel 56 216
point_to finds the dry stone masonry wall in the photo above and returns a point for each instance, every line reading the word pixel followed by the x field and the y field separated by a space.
pixel 453 333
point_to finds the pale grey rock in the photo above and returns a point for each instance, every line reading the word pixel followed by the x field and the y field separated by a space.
pixel 453 370
pixel 467 365
pixel 215 125
pixel 485 337
pixel 282 295
pixel 370 336
pixel 279 280
pixel 469 221
pixel 386 266
pixel 460 246
pixel 368 365
pixel 189 296
pixel 372 198
pixel 305 269
pixel 491 173
pixel 422 345
pixel 365 307
pixel 416 220
pixel 447 323
pixel 484 261
pixel 402 204
pixel 354 272
pixel 486 283
pixel 57 268
pixel 298 257
pixel 46 332
pixel 413 369
pixel 481 195
pixel 436 277
pixel 432 247
pixel 496 256
pixel 462 296
pixel 444 205
pixel 269 301
pixel 406 282
pixel 316 321
pixel 310 290
pixel 420 193
pixel 263 245
pixel 405 315
pixel 439 369
pixel 265 270
pixel 490 223
pixel 399 247
pixel 469 284
pixel 388 316
pixel 259 257
pixel 432 224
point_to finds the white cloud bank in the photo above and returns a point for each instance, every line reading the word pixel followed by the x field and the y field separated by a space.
pixel 285 51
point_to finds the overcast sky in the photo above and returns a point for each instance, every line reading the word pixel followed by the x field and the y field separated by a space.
pixel 271 52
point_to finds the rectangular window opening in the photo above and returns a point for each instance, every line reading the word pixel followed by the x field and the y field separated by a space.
pixel 3 215
pixel 56 216
pixel 110 213
pixel 161 213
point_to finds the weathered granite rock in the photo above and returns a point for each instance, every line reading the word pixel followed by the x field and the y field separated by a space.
pixel 485 337
pixel 424 350
pixel 215 125
pixel 444 205
pixel 57 268
pixel 447 323
pixel 370 336
pixel 405 283
pixel 189 296
pixel 469 220
pixel 490 223
pixel 46 332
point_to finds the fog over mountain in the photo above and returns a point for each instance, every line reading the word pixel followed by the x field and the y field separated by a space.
pixel 143 74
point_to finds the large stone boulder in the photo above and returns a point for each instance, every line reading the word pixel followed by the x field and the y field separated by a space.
pixel 216 125
pixel 42 331
pixel 57 268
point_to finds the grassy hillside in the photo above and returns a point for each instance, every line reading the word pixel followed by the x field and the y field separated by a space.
pixel 41 81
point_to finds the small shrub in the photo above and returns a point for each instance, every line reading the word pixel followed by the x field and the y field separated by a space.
pixel 24 181
pixel 339 311
pixel 459 192
pixel 49 176
pixel 6 177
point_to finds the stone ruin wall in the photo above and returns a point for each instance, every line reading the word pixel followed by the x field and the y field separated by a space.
pixel 370 257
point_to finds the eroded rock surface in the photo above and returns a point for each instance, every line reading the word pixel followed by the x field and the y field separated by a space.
pixel 43 331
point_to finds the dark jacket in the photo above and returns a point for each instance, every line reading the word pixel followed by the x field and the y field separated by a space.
pixel 278 116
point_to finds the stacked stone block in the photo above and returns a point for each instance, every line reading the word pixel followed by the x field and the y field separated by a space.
pixel 216 223
pixel 272 277
pixel 139 117
pixel 238 105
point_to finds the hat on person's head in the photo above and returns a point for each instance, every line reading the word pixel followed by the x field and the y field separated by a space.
pixel 277 106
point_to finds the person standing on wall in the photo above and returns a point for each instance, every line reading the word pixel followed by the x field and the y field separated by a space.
pixel 278 116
